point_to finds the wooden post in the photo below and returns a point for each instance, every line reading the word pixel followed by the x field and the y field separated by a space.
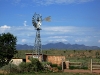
pixel 67 64
pixel 91 65
pixel 62 65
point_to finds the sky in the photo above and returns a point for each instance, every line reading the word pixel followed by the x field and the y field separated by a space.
pixel 72 21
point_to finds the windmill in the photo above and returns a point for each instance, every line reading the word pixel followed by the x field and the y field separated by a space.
pixel 37 21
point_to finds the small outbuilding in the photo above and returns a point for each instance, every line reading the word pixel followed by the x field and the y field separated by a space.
pixel 17 61
pixel 54 59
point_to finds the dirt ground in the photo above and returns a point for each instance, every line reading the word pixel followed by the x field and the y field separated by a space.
pixel 82 71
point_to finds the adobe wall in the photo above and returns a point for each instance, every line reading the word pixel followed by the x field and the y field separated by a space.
pixel 49 58
pixel 56 59
pixel 27 58
pixel 35 56
pixel 16 61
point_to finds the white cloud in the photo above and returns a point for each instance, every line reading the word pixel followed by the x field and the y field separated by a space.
pixel 66 34
pixel 59 37
pixel 25 23
pixel 48 2
pixel 99 41
pixel 78 40
pixel 4 28
pixel 23 40
pixel 59 28
pixel 58 40
pixel 85 39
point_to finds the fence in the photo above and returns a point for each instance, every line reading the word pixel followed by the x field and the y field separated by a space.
pixel 83 65
pixel 73 65
pixel 95 65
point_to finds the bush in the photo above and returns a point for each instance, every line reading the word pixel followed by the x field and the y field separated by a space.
pixel 36 64
pixel 15 69
pixel 59 67
pixel 11 68
pixel 78 67
pixel 25 67
pixel 74 67
pixel 85 68
pixel 33 66
pixel 53 65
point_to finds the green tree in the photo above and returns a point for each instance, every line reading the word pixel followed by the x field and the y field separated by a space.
pixel 7 48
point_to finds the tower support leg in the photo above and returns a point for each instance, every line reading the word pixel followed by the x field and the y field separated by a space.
pixel 37 45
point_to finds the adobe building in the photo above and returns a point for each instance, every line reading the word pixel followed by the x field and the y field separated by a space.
pixel 54 59
pixel 17 61
pixel 29 55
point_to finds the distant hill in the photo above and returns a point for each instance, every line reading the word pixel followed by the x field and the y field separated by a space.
pixel 59 45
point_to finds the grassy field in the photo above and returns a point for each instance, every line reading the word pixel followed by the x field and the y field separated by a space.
pixel 71 55
pixel 54 74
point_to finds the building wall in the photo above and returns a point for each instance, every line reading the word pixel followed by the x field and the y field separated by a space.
pixel 56 59
pixel 16 61
pixel 27 58
pixel 52 59
pixel 35 56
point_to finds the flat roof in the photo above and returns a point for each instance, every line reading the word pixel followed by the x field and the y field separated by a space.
pixel 43 54
pixel 33 54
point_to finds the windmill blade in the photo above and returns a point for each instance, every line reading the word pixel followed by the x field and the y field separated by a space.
pixel 48 19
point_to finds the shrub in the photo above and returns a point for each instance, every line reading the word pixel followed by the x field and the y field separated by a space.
pixel 33 66
pixel 36 64
pixel 11 68
pixel 25 67
pixel 78 67
pixel 15 69
pixel 53 65
pixel 59 67
pixel 74 67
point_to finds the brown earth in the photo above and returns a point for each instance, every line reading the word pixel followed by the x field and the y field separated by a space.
pixel 82 71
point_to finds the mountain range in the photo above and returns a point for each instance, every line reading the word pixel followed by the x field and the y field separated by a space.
pixel 59 45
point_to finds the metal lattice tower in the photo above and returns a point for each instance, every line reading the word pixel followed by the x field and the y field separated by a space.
pixel 37 45
pixel 36 21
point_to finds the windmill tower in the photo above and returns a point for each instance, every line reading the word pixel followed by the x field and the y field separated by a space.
pixel 36 21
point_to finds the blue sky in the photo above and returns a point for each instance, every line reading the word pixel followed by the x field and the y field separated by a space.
pixel 72 21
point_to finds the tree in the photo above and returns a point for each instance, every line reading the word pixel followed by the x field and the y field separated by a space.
pixel 7 48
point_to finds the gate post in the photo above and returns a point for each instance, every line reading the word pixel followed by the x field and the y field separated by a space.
pixel 62 65
pixel 91 65
pixel 67 64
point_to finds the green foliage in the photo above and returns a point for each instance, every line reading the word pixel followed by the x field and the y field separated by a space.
pixel 25 67
pixel 45 64
pixel 33 66
pixel 59 67
pixel 36 64
pixel 53 65
pixel 14 69
pixel 11 68
pixel 78 67
pixel 7 48
pixel 59 73
pixel 74 67
pixel 97 55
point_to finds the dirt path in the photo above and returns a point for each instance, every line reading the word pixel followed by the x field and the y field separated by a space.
pixel 81 71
